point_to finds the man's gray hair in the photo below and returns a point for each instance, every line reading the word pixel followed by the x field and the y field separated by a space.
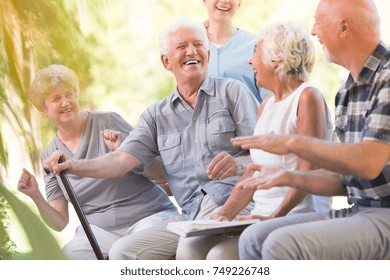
pixel 178 24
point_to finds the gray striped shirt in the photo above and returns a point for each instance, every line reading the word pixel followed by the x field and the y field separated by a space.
pixel 187 138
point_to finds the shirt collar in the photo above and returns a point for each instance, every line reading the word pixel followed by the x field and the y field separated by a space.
pixel 206 87
pixel 370 66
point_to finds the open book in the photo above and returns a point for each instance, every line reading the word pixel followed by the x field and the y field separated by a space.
pixel 207 227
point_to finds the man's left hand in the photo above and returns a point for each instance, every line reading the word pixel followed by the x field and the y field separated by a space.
pixel 222 166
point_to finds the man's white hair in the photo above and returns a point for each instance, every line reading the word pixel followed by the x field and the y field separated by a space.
pixel 178 24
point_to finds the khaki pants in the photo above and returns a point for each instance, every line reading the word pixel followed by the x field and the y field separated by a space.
pixel 157 242
pixel 80 248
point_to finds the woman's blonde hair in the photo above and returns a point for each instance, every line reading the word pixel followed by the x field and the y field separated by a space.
pixel 289 43
pixel 47 79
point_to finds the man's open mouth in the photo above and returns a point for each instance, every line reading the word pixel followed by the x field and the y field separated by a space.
pixel 189 62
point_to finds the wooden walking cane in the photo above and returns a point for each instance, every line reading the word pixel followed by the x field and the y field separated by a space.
pixel 76 205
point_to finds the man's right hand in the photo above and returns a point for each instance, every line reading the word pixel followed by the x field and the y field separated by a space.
pixel 50 164
pixel 266 177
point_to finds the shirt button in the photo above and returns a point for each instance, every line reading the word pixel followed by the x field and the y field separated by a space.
pixel 195 118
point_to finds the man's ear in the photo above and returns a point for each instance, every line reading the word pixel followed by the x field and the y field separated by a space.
pixel 165 62
pixel 344 27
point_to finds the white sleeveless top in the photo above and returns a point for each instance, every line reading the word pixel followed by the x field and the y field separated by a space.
pixel 281 118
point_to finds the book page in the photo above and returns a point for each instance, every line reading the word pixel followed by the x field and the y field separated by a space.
pixel 204 227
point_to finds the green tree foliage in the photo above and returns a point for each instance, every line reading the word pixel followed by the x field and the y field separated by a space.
pixel 7 246
pixel 43 244
pixel 33 34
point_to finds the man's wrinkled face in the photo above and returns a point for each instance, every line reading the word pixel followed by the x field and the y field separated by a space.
pixel 188 55
pixel 326 30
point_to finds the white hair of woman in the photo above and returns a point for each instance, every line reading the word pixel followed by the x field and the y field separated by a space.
pixel 289 43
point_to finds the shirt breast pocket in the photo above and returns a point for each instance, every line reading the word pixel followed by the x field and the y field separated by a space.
pixel 170 151
pixel 220 129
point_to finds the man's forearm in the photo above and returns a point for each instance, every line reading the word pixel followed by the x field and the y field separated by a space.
pixel 114 164
pixel 366 159
pixel 155 170
pixel 320 182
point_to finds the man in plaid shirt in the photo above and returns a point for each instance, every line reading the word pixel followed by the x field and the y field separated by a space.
pixel 356 164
